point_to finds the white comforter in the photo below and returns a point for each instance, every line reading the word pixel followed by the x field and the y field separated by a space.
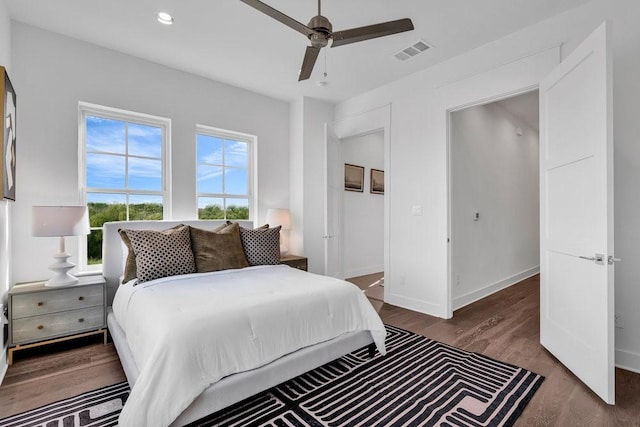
pixel 187 332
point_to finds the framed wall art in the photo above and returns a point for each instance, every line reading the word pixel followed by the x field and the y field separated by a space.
pixel 353 177
pixel 8 155
pixel 377 181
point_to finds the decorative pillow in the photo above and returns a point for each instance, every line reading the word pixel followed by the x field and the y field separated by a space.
pixel 261 245
pixel 220 249
pixel 162 253
pixel 130 267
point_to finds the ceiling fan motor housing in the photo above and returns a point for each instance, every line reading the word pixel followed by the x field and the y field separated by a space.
pixel 319 31
pixel 323 29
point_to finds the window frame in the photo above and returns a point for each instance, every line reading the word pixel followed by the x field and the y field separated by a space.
pixel 252 170
pixel 88 109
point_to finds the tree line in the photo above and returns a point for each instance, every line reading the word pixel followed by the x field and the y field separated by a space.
pixel 99 213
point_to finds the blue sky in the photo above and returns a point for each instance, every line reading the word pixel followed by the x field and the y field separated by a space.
pixel 210 152
pixel 107 145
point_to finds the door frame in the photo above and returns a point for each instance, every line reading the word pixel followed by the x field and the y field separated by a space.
pixel 512 79
pixel 372 121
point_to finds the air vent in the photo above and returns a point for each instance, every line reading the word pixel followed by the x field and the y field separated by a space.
pixel 413 50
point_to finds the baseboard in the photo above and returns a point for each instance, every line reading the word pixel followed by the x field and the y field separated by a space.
pixel 474 296
pixel 357 272
pixel 628 361
pixel 420 306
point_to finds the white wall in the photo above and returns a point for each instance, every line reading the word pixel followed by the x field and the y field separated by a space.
pixel 296 176
pixel 494 172
pixel 418 247
pixel 51 73
pixel 5 207
pixel 363 218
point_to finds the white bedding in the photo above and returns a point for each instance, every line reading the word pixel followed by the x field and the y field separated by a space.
pixel 187 332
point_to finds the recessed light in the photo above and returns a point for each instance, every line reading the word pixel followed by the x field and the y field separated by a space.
pixel 164 18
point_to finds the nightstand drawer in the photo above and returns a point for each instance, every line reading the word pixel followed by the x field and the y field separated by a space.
pixel 39 303
pixel 37 328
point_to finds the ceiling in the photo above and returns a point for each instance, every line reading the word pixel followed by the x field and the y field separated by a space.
pixel 230 42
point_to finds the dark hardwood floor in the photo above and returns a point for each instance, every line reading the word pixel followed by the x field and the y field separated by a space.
pixel 504 326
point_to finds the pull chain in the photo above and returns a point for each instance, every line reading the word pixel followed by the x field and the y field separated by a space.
pixel 325 63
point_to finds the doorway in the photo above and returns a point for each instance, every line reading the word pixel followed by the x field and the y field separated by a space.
pixel 374 124
pixel 363 214
pixel 363 210
pixel 494 196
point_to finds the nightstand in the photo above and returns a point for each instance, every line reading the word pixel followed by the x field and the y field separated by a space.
pixel 295 261
pixel 40 315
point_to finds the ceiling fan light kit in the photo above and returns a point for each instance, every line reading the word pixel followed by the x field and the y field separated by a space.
pixel 319 31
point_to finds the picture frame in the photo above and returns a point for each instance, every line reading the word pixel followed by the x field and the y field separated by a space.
pixel 8 154
pixel 376 181
pixel 353 178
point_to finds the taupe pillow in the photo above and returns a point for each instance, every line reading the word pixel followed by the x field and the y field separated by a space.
pixel 130 267
pixel 262 227
pixel 219 249
pixel 162 253
pixel 261 245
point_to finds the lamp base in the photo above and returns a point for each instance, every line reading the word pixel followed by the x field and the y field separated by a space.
pixel 283 250
pixel 61 267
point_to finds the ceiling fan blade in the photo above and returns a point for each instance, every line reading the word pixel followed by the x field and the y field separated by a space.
pixel 279 16
pixel 371 32
pixel 308 62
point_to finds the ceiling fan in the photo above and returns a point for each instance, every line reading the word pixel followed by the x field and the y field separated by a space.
pixel 319 30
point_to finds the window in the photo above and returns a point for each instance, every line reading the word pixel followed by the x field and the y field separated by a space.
pixel 224 174
pixel 124 170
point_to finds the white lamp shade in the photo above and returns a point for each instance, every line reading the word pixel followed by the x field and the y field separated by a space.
pixel 57 221
pixel 276 217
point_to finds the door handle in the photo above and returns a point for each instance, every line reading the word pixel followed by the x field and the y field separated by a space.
pixel 598 258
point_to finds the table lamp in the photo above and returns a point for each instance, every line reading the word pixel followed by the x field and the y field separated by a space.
pixel 282 217
pixel 60 221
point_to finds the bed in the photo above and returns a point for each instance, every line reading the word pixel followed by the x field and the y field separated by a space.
pixel 276 281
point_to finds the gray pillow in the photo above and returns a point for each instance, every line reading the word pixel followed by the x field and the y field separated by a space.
pixel 220 249
pixel 162 253
pixel 261 246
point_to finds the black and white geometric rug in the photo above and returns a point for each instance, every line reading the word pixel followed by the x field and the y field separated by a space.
pixel 420 382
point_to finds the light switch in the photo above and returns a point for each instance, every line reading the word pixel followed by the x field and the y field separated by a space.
pixel 476 216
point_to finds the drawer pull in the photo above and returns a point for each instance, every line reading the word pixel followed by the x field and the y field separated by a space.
pixel 40 304
pixel 40 327
pixel 80 298
pixel 81 320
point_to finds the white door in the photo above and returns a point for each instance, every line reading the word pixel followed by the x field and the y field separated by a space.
pixel 334 186
pixel 576 214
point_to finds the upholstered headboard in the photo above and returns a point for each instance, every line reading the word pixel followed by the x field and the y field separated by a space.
pixel 112 265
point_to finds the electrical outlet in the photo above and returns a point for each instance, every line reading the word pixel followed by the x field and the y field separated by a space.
pixel 619 320
pixel 457 280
